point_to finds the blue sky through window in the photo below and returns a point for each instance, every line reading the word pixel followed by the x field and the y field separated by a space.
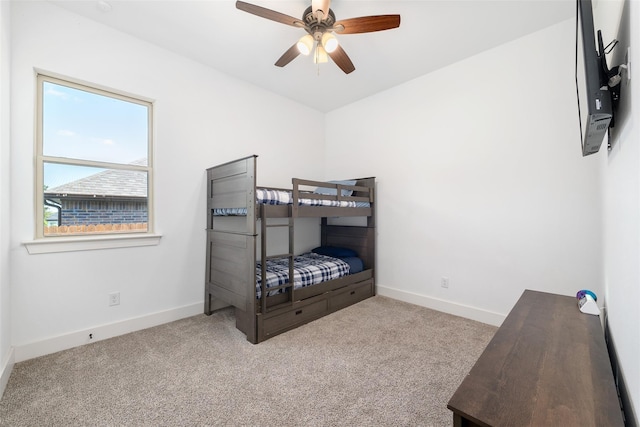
pixel 84 125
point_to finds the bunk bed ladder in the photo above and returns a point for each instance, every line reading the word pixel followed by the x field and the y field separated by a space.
pixel 264 257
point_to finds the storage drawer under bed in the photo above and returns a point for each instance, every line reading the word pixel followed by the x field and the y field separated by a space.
pixel 294 317
pixel 350 296
pixel 307 311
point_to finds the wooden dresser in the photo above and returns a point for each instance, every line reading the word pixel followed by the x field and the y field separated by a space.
pixel 547 365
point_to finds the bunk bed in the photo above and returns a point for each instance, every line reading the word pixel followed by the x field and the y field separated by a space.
pixel 239 217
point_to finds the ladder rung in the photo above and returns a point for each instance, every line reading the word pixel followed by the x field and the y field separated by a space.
pixel 280 225
pixel 275 288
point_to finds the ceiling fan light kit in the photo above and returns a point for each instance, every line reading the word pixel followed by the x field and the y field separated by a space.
pixel 319 22
pixel 329 42
pixel 305 44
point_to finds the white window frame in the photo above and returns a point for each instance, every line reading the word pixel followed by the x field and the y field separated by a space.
pixel 45 244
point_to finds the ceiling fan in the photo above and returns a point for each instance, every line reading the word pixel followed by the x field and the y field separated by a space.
pixel 319 21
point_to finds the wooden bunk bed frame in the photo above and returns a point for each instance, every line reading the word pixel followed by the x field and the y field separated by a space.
pixel 230 277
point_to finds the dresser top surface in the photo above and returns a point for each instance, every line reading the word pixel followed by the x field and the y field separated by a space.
pixel 546 365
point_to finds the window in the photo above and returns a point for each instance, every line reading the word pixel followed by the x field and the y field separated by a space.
pixel 94 169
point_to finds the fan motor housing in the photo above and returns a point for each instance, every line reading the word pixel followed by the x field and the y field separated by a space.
pixel 315 27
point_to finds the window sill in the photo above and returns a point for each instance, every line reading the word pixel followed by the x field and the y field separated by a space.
pixel 70 244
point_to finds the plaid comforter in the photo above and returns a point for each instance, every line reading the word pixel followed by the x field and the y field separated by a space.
pixel 309 269
pixel 282 197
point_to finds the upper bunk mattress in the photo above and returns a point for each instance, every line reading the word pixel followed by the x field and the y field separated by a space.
pixel 283 197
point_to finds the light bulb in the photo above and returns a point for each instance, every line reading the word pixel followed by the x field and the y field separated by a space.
pixel 329 42
pixel 305 44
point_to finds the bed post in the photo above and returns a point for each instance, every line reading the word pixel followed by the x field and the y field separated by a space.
pixel 231 249
pixel 250 321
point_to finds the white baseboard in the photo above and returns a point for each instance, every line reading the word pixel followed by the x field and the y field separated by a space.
pixel 5 371
pixel 74 339
pixel 102 332
pixel 456 309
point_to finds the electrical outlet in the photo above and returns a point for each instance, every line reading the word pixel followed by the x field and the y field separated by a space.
pixel 114 298
pixel 444 282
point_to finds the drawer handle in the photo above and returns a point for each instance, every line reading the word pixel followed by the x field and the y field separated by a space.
pixel 353 292
pixel 298 312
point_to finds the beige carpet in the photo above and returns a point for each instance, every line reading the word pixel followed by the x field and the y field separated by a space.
pixel 380 362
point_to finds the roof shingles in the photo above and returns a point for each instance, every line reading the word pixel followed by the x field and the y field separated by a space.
pixel 111 182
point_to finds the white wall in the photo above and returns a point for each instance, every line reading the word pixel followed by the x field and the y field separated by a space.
pixel 622 201
pixel 6 358
pixel 480 179
pixel 202 118
pixel 484 158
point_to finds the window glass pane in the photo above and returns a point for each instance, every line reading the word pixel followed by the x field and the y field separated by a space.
pixel 84 125
pixel 80 199
pixel 94 171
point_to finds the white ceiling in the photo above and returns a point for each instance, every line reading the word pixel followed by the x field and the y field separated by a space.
pixel 432 35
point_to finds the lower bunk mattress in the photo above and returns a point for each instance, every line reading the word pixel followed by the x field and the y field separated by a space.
pixel 309 269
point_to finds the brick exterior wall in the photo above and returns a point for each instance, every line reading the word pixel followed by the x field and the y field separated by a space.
pixel 88 212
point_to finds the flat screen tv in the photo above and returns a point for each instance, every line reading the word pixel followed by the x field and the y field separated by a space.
pixel 595 103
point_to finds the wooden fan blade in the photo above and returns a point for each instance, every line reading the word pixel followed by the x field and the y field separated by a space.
pixel 288 56
pixel 342 60
pixel 367 24
pixel 263 12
